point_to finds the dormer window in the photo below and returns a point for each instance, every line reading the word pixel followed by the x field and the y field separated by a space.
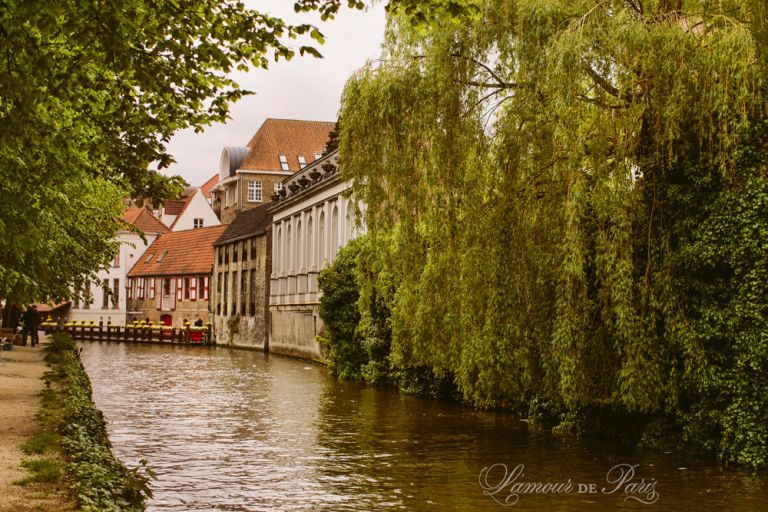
pixel 284 163
pixel 302 162
pixel 318 155
pixel 162 256
pixel 149 258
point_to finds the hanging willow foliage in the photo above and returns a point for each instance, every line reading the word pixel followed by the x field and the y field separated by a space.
pixel 568 210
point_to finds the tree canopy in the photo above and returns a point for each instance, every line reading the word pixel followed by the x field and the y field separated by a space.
pixel 568 210
pixel 90 94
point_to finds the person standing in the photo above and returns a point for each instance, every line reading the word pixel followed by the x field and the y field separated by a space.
pixel 31 319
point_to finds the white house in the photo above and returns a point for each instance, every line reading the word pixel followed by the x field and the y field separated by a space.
pixel 195 213
pixel 313 217
pixel 107 297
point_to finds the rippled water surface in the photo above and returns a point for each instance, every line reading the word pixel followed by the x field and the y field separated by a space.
pixel 241 431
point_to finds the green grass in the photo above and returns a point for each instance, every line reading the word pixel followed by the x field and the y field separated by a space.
pixel 40 443
pixel 43 471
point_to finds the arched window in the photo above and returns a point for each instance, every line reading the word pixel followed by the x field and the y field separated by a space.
pixel 350 220
pixel 298 246
pixel 321 239
pixel 309 258
pixel 288 262
pixel 334 232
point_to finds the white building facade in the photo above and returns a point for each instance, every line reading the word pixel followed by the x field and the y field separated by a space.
pixel 105 299
pixel 313 219
pixel 197 213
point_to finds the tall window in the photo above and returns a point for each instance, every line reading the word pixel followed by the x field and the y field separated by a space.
pixel 277 255
pixel 105 294
pixel 284 163
pixel 224 295
pixel 308 256
pixel 116 293
pixel 302 162
pixel 226 198
pixel 334 245
pixel 253 248
pixel 187 282
pixel 243 292
pixel 297 254
pixel 234 252
pixel 288 250
pixel 252 293
pixel 321 239
pixel 244 253
pixel 254 191
pixel 116 261
pixel 220 278
pixel 197 223
pixel 234 292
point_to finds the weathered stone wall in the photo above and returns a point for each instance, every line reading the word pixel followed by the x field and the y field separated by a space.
pixel 249 327
pixel 294 328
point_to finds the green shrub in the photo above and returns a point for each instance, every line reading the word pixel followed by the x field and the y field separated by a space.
pixel 338 309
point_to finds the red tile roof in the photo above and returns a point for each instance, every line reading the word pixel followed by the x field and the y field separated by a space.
pixel 144 220
pixel 289 137
pixel 179 253
pixel 208 185
pixel 173 206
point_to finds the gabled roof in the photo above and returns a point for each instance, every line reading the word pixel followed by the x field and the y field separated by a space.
pixel 187 201
pixel 144 220
pixel 174 206
pixel 247 224
pixel 289 137
pixel 208 185
pixel 179 253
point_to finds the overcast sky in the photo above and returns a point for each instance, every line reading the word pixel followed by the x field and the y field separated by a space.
pixel 302 88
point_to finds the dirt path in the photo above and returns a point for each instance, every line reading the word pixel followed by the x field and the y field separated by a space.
pixel 20 387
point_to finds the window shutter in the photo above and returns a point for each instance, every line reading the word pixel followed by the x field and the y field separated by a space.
pixel 173 295
pixel 205 290
pixel 179 288
pixel 151 288
pixel 158 284
pixel 192 288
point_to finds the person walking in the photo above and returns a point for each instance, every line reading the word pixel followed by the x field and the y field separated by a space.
pixel 31 319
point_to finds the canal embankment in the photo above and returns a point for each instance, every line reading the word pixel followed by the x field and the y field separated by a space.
pixel 21 388
pixel 60 438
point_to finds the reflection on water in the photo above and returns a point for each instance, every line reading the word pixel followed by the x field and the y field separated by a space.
pixel 241 431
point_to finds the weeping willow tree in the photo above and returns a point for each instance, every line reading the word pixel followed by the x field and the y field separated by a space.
pixel 568 211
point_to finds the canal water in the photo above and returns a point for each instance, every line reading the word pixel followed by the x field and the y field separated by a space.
pixel 242 431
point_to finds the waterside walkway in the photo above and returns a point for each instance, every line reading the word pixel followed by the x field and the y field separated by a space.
pixel 20 388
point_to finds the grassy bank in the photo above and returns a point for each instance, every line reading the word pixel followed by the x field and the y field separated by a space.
pixel 75 428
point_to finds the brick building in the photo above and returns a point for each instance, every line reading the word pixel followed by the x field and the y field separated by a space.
pixel 171 282
pixel 241 270
pixel 249 175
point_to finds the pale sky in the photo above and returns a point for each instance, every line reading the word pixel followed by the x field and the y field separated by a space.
pixel 302 88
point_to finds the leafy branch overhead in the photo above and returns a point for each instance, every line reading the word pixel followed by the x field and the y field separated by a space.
pixel 90 94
